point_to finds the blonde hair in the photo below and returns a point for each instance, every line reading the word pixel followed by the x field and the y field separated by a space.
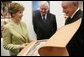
pixel 15 7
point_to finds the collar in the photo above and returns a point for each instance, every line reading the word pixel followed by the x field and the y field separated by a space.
pixel 14 22
pixel 74 13
pixel 45 16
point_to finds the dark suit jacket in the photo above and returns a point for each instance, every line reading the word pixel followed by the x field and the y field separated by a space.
pixel 75 46
pixel 44 30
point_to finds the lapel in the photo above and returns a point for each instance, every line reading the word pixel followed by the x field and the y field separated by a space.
pixel 68 20
pixel 48 17
pixel 16 32
pixel 77 16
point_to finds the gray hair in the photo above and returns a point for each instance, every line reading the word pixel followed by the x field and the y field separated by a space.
pixel 45 3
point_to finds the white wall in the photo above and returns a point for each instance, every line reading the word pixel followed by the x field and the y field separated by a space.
pixel 55 8
pixel 81 4
pixel 4 52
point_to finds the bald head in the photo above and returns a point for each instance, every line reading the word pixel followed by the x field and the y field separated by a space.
pixel 44 7
pixel 74 3
pixel 69 7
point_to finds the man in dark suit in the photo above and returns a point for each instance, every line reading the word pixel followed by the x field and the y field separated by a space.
pixel 44 22
pixel 71 9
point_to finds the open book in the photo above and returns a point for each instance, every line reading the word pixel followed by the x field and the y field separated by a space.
pixel 55 46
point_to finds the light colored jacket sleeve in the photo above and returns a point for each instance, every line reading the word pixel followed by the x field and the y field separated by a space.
pixel 7 42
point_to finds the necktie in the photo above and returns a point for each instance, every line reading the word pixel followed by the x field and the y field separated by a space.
pixel 44 18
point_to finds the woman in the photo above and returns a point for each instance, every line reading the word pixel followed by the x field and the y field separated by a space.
pixel 15 36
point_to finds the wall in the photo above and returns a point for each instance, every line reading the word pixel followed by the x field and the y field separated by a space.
pixel 55 8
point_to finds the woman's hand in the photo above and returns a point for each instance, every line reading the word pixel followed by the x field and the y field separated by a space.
pixel 23 45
